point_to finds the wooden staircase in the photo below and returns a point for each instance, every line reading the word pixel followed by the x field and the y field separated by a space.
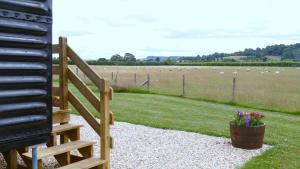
pixel 65 137
pixel 69 136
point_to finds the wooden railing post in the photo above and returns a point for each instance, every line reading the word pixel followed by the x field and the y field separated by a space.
pixel 63 73
pixel 63 78
pixel 105 96
pixel 102 104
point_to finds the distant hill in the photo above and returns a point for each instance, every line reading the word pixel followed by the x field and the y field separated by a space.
pixel 269 53
pixel 240 58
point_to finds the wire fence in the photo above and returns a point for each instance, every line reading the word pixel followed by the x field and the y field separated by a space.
pixel 260 87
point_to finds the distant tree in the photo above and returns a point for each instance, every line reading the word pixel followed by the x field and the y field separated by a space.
pixel 264 59
pixel 275 50
pixel 168 62
pixel 157 59
pixel 291 54
pixel 55 60
pixel 116 57
pixel 129 57
pixel 102 60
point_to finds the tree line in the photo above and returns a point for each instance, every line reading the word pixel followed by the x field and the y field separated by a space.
pixel 286 53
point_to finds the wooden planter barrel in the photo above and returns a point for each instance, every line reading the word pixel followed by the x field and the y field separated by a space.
pixel 247 137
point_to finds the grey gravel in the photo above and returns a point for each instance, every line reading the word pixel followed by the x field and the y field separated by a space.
pixel 141 147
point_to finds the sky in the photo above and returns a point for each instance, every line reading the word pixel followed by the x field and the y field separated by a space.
pixel 101 28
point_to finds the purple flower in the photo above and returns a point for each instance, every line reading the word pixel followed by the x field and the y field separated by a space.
pixel 240 114
pixel 247 119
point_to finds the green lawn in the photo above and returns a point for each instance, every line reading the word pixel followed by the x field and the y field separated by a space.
pixel 283 130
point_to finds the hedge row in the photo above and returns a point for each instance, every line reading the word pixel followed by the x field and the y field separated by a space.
pixel 274 64
pixel 141 63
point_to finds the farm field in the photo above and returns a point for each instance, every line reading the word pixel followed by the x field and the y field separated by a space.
pixel 272 88
pixel 171 112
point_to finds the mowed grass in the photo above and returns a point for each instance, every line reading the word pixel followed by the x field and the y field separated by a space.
pixel 168 112
pixel 272 88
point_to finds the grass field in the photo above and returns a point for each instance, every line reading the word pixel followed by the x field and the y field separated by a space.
pixel 283 130
pixel 272 88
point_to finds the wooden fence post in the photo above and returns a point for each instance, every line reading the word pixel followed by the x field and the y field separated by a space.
pixel 234 88
pixel 148 82
pixel 116 78
pixel 112 77
pixel 105 122
pixel 183 85
pixel 135 79
pixel 63 74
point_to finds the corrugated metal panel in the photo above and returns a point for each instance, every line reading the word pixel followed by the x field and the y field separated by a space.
pixel 25 72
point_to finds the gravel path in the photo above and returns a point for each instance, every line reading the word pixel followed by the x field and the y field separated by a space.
pixel 140 147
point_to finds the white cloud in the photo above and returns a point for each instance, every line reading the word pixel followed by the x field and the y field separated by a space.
pixel 98 28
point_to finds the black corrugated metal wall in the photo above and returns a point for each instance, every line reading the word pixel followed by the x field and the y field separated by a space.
pixel 25 72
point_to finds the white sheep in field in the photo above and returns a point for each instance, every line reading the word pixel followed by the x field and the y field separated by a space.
pixel 277 72
pixel 222 73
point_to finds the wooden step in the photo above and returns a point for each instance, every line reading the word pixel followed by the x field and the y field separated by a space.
pixel 66 131
pixel 84 164
pixel 60 116
pixel 60 149
pixel 65 127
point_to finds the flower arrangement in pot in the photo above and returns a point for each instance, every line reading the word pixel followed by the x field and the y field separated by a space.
pixel 55 101
pixel 247 130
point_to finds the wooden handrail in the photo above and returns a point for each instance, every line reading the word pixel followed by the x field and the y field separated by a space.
pixel 84 90
pixel 85 68
pixel 101 102
pixel 84 112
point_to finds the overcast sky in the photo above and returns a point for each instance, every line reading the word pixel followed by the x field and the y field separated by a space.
pixel 101 28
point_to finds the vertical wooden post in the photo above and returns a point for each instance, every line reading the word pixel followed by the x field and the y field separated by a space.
pixel 63 74
pixel 105 122
pixel 63 79
pixel 112 77
pixel 148 82
pixel 135 79
pixel 183 85
pixel 116 79
pixel 233 88
pixel 11 159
